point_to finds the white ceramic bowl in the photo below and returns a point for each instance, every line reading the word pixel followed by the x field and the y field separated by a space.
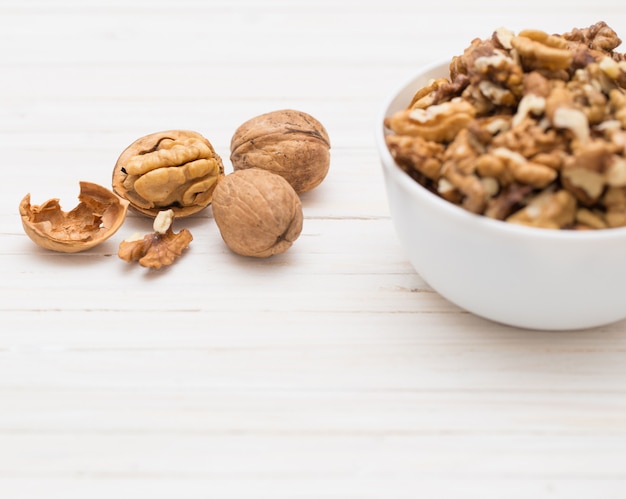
pixel 521 276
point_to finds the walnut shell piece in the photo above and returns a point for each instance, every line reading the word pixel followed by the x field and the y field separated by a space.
pixel 174 169
pixel 97 217
pixel 290 143
pixel 257 212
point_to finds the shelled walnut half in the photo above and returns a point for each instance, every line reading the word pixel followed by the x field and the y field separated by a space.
pixel 175 169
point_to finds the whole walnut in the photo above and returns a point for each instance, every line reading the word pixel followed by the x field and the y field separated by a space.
pixel 290 143
pixel 174 169
pixel 257 212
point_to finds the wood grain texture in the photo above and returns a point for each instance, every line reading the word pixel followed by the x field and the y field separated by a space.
pixel 330 371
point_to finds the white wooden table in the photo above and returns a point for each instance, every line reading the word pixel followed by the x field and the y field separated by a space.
pixel 332 370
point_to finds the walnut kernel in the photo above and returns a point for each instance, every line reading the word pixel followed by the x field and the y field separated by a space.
pixel 158 249
pixel 540 50
pixel 438 123
pixel 175 169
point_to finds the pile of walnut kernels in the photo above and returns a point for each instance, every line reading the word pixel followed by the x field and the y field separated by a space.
pixel 529 128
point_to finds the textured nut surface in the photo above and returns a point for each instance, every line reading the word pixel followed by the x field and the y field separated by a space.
pixel 540 50
pixel 174 169
pixel 99 214
pixel 615 202
pixel 257 212
pixel 417 155
pixel 548 210
pixel 527 128
pixel 290 143
pixel 438 123
pixel 158 249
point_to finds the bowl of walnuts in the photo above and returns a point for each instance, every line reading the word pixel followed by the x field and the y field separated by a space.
pixel 505 170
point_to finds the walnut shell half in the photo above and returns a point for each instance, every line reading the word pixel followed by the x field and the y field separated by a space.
pixel 290 143
pixel 257 212
pixel 174 169
pixel 97 217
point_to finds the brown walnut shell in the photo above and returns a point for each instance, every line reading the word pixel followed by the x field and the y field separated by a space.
pixel 174 169
pixel 97 217
pixel 257 212
pixel 290 143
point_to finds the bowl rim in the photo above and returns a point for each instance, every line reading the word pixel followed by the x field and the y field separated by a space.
pixel 457 212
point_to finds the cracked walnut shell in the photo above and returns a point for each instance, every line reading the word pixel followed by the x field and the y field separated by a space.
pixel 97 217
pixel 175 169
pixel 290 143
pixel 257 212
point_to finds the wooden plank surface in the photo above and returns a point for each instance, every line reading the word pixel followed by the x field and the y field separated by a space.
pixel 332 370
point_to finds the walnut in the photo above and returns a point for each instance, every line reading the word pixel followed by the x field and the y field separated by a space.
pixel 529 138
pixel 547 210
pixel 536 84
pixel 507 201
pixel 564 113
pixel 459 170
pixel 502 37
pixel 617 101
pixel 499 67
pixel 499 79
pixel 462 64
pixel 484 129
pixel 438 123
pixel 416 154
pixel 590 219
pixel 97 217
pixel 615 202
pixel 530 104
pixel 158 249
pixel 290 143
pixel 588 94
pixel 175 169
pixel 494 77
pixel 493 166
pixel 539 50
pixel 553 159
pixel 610 74
pixel 498 95
pixel 523 170
pixel 591 169
pixel 258 212
pixel 599 37
pixel 427 95
pixel 527 128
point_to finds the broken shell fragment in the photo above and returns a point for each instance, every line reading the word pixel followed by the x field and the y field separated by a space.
pixel 97 217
